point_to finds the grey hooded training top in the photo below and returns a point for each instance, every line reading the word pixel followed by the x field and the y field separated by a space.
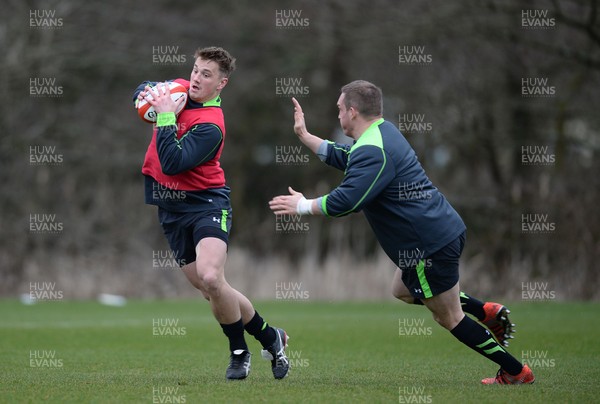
pixel 384 179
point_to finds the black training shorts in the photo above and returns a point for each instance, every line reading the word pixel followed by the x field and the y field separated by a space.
pixel 426 277
pixel 185 229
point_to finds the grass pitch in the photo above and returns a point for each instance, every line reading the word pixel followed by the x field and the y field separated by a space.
pixel 174 352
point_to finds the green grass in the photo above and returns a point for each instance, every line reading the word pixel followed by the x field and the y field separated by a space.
pixel 343 352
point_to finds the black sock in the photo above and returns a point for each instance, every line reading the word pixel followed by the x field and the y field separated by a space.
pixel 259 329
pixel 472 306
pixel 235 333
pixel 418 302
pixel 476 337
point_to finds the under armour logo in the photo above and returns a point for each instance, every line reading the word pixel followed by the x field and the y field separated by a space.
pixel 418 291
pixel 216 220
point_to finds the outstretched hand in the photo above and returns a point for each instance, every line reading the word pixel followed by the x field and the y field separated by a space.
pixel 311 141
pixel 299 123
pixel 286 204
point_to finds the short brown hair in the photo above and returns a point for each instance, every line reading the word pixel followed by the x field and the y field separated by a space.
pixel 366 97
pixel 218 55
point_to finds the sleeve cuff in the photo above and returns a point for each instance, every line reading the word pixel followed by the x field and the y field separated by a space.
pixel 322 203
pixel 323 150
pixel 166 119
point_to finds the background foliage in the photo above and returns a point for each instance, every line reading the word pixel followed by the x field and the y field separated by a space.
pixel 470 93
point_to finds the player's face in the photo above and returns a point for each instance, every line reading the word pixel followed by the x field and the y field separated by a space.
pixel 344 115
pixel 206 81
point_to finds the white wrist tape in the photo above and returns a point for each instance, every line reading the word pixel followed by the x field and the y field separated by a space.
pixel 304 206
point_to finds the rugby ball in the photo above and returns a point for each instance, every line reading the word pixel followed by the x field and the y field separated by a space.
pixel 147 112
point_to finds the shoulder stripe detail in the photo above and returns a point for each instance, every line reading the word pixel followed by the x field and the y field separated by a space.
pixel 337 147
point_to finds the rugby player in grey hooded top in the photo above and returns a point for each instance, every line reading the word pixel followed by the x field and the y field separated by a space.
pixel 413 222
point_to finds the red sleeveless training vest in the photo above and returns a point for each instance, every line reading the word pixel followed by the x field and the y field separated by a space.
pixel 204 176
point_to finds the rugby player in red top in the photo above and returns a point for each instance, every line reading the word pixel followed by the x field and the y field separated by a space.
pixel 185 180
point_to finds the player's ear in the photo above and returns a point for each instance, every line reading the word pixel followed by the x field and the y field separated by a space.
pixel 223 83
